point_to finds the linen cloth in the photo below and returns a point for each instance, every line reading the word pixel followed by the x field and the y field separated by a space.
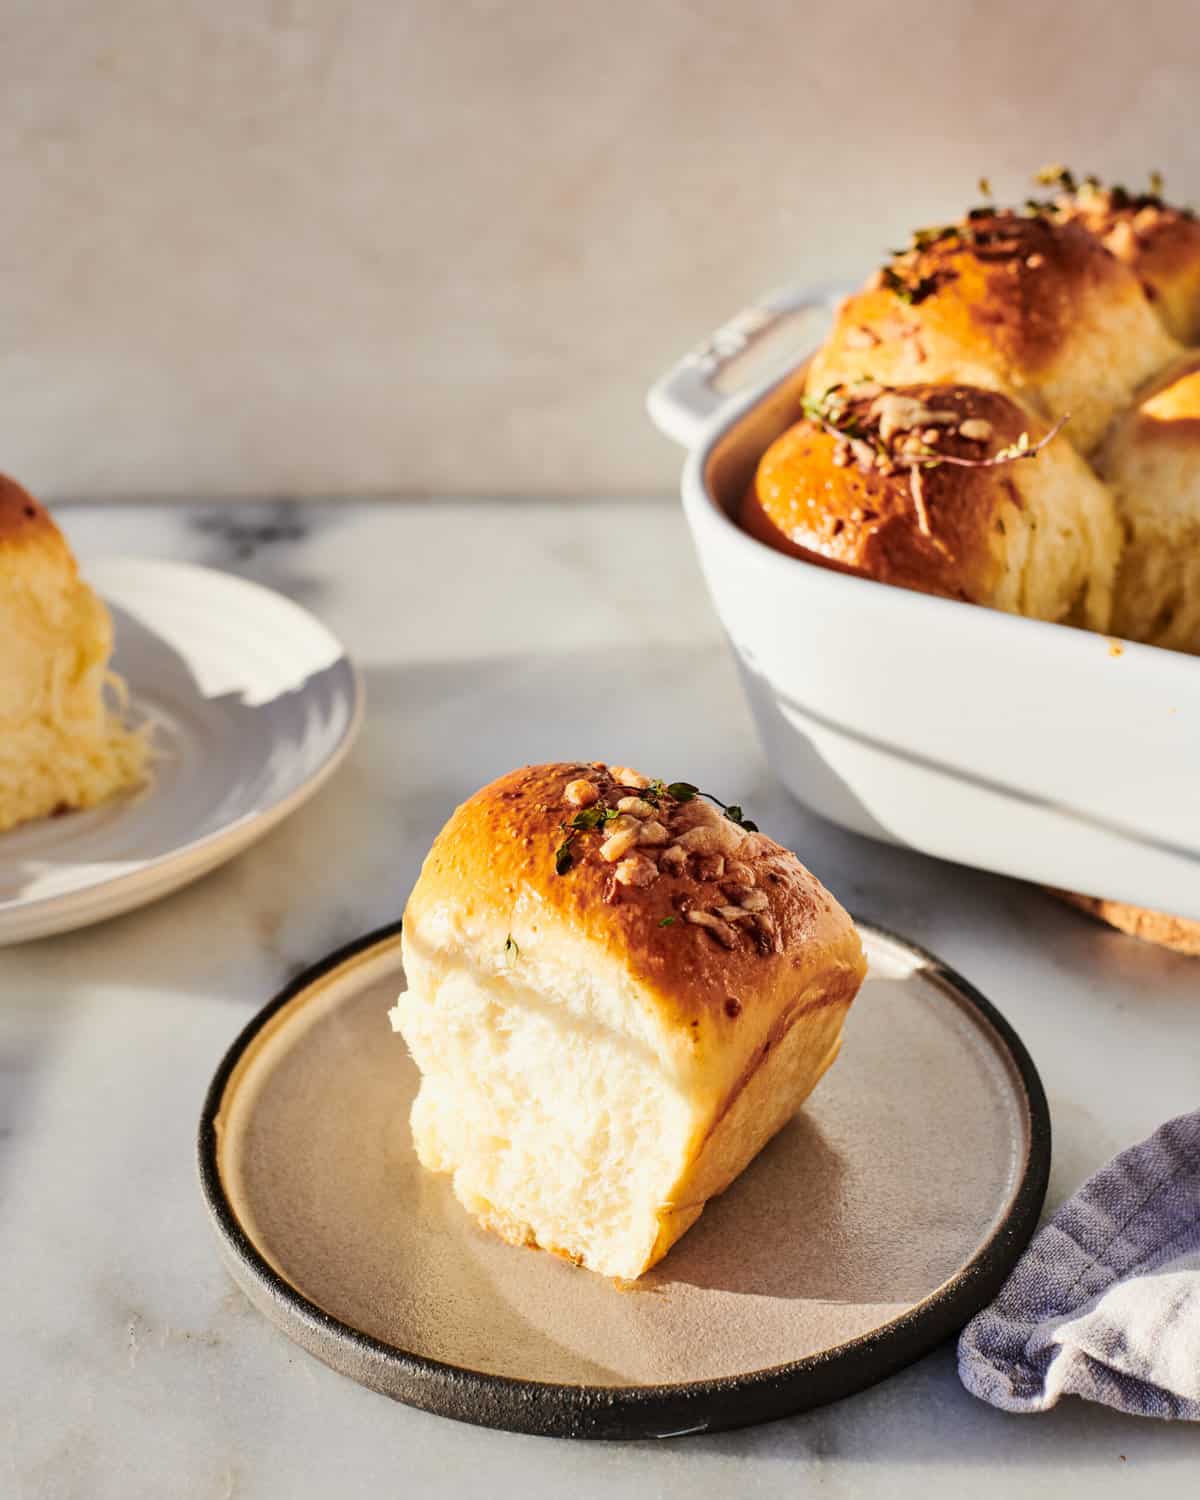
pixel 1105 1302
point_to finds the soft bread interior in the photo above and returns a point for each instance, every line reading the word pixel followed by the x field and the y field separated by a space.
pixel 561 1126
pixel 63 744
pixel 1059 546
pixel 563 1115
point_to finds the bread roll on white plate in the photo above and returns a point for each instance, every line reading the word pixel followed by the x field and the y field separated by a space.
pixel 63 741
pixel 617 995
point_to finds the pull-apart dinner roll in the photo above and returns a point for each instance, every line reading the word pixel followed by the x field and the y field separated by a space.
pixel 1157 241
pixel 947 489
pixel 1009 301
pixel 61 745
pixel 1152 464
pixel 617 995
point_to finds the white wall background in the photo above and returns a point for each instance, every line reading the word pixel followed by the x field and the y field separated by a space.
pixel 254 247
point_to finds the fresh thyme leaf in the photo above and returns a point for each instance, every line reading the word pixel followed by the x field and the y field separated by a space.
pixel 923 238
pixel 684 791
pixel 910 292
pixel 588 818
pixel 985 187
pixel 896 284
pixel 512 947
pixel 563 858
pixel 668 921
pixel 1156 184
pixel 749 825
pixel 1056 175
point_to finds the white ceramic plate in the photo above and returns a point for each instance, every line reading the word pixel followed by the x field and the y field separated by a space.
pixel 256 704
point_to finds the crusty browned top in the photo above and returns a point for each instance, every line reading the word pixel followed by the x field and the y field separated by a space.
pixel 1169 410
pixel 1002 281
pixel 813 499
pixel 715 919
pixel 22 519
pixel 1158 240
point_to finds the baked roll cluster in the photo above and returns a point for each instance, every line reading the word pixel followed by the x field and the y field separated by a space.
pixel 1006 414
pixel 63 741
pixel 618 992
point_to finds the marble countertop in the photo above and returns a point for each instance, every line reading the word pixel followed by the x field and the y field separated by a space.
pixel 490 634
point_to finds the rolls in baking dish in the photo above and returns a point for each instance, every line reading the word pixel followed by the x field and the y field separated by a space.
pixel 617 994
pixel 1020 303
pixel 909 485
pixel 1005 415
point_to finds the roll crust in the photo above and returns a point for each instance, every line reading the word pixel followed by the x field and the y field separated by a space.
pixel 493 865
pixel 1159 242
pixel 1020 303
pixel 26 523
pixel 1035 536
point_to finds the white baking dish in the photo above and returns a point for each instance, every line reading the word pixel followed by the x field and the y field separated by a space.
pixel 1035 750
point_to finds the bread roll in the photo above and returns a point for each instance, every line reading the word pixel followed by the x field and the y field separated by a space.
pixel 1159 243
pixel 1035 536
pixel 611 1021
pixel 61 745
pixel 1008 301
pixel 1152 463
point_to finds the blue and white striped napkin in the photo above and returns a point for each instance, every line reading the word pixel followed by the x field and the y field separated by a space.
pixel 1105 1303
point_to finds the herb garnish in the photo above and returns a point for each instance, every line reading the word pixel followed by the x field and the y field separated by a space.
pixel 584 821
pixel 512 948
pixel 832 413
pixel 684 791
pixel 598 816
pixel 668 921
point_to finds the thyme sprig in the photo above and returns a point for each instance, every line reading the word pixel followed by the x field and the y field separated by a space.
pixel 585 821
pixel 684 791
pixel 832 413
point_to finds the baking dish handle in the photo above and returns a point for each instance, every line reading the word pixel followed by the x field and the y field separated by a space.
pixel 692 396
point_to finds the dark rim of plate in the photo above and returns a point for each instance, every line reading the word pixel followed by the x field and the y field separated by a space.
pixel 625 1412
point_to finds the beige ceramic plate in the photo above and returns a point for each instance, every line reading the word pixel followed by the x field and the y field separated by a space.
pixel 868 1231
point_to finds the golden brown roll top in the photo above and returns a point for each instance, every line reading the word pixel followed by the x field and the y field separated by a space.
pixel 1015 302
pixel 1152 464
pixel 946 489
pixel 26 523
pixel 692 904
pixel 1159 242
